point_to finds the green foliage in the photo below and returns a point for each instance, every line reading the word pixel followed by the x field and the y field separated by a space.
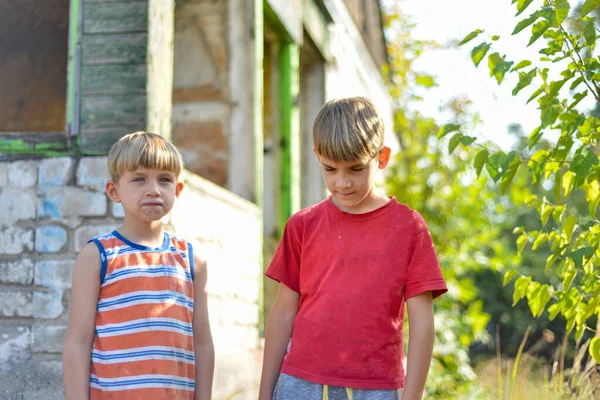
pixel 565 172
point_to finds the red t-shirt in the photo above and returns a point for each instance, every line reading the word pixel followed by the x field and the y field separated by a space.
pixel 353 273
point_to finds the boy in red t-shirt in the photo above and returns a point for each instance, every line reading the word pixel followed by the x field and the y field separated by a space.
pixel 346 266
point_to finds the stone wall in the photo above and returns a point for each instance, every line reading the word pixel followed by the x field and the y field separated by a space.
pixel 49 209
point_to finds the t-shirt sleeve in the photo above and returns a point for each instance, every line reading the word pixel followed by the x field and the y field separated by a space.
pixel 285 266
pixel 424 273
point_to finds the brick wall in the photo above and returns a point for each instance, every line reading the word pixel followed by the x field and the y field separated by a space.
pixel 50 208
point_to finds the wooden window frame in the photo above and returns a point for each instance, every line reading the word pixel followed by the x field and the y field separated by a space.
pixel 19 145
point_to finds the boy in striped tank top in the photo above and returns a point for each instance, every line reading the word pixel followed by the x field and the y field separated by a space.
pixel 138 320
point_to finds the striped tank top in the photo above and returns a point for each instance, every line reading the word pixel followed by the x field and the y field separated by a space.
pixel 143 345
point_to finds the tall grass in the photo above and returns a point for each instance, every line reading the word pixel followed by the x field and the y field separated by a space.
pixel 527 377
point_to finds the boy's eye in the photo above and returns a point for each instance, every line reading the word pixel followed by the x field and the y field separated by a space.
pixel 357 169
pixel 165 179
pixel 138 180
pixel 329 169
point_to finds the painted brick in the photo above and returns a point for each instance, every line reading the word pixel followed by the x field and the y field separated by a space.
pixel 15 343
pixel 47 305
pixel 85 233
pixel 18 271
pixel 48 338
pixel 15 240
pixel 50 239
pixel 65 202
pixel 54 274
pixel 17 204
pixel 55 171
pixel 22 174
pixel 92 171
pixel 4 166
pixel 117 210
pixel 16 303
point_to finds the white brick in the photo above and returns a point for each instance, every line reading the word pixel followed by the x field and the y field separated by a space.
pixel 16 304
pixel 48 338
pixel 18 271
pixel 15 343
pixel 92 171
pixel 15 240
pixel 17 204
pixel 55 171
pixel 50 239
pixel 47 305
pixel 22 174
pixel 117 210
pixel 86 233
pixel 54 274
pixel 4 166
pixel 69 201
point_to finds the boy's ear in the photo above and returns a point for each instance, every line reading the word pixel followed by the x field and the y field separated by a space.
pixel 178 188
pixel 317 154
pixel 111 191
pixel 384 157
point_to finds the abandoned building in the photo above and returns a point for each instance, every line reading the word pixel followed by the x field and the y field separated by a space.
pixel 235 84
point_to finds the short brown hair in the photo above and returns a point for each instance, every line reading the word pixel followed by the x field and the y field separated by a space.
pixel 145 150
pixel 347 130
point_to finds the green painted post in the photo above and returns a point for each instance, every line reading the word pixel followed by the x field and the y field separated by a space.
pixel 289 71
pixel 74 67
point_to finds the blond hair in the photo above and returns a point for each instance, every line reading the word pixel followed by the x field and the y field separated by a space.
pixel 348 130
pixel 143 150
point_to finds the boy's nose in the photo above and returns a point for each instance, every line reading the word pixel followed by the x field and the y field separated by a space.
pixel 343 183
pixel 153 190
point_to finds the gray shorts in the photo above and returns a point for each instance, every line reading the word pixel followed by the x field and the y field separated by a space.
pixel 291 388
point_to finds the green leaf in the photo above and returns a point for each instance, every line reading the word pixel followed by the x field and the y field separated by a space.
pixel 567 182
pixel 590 33
pixel 446 129
pixel 534 95
pixel 494 165
pixel 526 22
pixel 524 81
pixel 538 296
pixel 470 36
pixel 495 37
pixel 454 142
pixel 521 242
pixel 576 83
pixel 595 349
pixel 537 31
pixel 588 6
pixel 569 227
pixel 581 256
pixel 553 311
pixel 546 211
pixel 522 64
pixel 480 160
pixel 522 5
pixel 467 140
pixel 561 11
pixel 425 80
pixel 508 276
pixel 549 115
pixel 568 277
pixel 509 176
pixel 539 240
pixel 592 191
pixel 534 137
pixel 498 67
pixel 521 286
pixel 479 52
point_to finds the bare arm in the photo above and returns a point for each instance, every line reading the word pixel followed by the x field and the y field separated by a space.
pixel 279 331
pixel 204 350
pixel 420 344
pixel 79 338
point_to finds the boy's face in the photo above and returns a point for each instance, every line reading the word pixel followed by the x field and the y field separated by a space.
pixel 146 194
pixel 351 184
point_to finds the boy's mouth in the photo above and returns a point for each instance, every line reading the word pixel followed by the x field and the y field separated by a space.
pixel 152 204
pixel 345 194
